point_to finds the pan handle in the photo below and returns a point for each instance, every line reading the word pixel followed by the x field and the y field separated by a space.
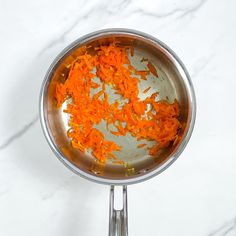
pixel 118 222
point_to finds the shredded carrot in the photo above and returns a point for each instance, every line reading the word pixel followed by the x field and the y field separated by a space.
pixel 132 51
pixel 146 119
pixel 152 69
pixel 144 59
pixel 143 74
pixel 146 90
pixel 141 145
pixel 115 133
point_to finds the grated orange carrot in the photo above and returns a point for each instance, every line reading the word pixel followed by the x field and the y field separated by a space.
pixel 152 69
pixel 146 90
pixel 143 59
pixel 113 68
pixel 141 145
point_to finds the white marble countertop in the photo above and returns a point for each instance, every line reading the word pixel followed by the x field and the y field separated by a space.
pixel 195 196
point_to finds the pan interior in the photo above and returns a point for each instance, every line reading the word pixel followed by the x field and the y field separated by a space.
pixel 170 86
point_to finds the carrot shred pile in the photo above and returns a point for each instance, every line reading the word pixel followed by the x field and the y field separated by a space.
pixel 146 119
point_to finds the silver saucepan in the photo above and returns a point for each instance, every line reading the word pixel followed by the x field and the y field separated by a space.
pixel 173 83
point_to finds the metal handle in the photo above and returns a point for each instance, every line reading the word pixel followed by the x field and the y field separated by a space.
pixel 118 222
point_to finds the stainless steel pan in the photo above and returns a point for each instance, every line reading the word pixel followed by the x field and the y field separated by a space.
pixel 173 83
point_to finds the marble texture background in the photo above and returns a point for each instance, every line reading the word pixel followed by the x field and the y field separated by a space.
pixel 196 196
